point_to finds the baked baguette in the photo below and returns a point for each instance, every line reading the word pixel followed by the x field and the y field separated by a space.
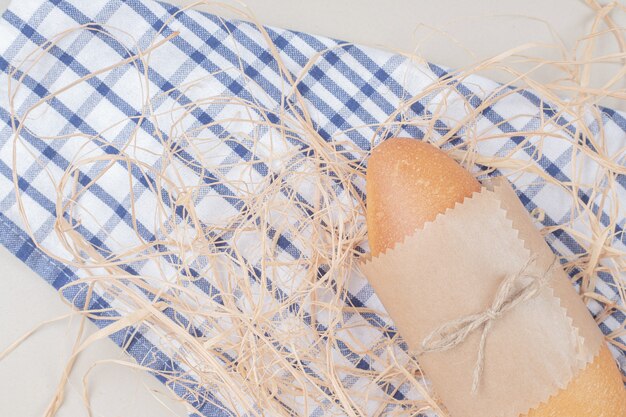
pixel 409 183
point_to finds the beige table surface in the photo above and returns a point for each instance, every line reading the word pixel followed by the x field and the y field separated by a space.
pixel 28 377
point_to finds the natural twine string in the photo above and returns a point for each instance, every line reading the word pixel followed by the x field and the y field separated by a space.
pixel 508 296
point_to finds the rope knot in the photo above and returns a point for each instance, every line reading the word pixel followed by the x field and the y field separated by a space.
pixel 492 314
pixel 512 291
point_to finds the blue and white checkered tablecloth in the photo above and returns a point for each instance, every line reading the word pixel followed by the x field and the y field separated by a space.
pixel 348 90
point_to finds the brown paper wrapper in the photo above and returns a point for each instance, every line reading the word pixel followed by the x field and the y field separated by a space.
pixel 452 268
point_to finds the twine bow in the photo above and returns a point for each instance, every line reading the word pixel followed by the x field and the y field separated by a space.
pixel 453 333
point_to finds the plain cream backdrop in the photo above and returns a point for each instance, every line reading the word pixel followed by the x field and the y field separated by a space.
pixel 443 31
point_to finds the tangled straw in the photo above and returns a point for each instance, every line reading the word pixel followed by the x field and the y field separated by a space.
pixel 252 324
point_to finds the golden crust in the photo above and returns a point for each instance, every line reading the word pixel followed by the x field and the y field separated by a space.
pixel 409 182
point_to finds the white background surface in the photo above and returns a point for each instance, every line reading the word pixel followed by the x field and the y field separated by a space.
pixel 28 377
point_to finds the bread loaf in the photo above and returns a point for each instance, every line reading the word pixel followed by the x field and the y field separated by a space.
pixel 409 183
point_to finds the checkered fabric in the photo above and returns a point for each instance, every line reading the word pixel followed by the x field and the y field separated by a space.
pixel 347 90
